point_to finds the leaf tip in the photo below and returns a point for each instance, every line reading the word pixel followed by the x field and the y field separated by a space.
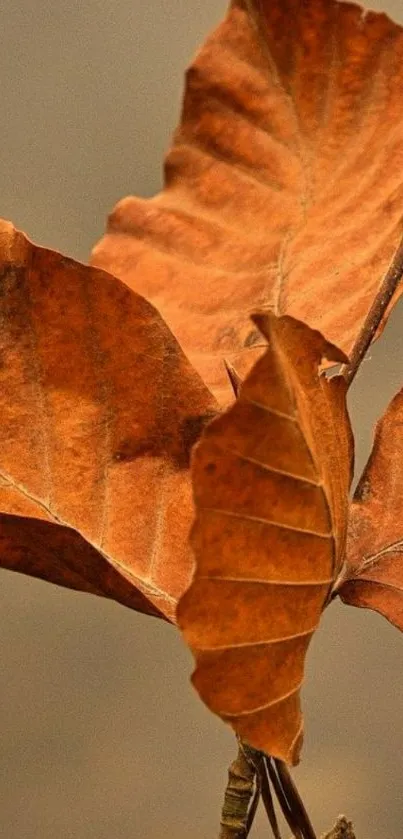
pixel 268 322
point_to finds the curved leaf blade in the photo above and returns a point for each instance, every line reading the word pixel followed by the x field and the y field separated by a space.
pixel 373 577
pixel 283 185
pixel 99 411
pixel 270 478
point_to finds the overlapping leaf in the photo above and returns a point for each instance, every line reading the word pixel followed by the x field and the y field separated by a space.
pixel 284 190
pixel 271 478
pixel 373 577
pixel 283 186
pixel 99 410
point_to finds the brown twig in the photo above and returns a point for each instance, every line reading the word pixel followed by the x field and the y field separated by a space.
pixel 294 800
pixel 282 799
pixel 240 801
pixel 267 798
pixel 249 778
pixel 374 317
pixel 254 804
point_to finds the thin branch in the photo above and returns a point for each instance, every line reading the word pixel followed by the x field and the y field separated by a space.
pixel 238 811
pixel 294 799
pixel 282 799
pixel 254 804
pixel 374 317
pixel 249 778
pixel 267 798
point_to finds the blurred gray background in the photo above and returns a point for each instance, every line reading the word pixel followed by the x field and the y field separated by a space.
pixel 101 734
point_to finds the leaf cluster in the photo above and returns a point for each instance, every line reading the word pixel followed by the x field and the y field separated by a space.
pixel 272 253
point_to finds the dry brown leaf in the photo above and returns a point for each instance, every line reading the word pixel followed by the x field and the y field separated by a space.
pixel 283 186
pixel 99 410
pixel 271 478
pixel 373 577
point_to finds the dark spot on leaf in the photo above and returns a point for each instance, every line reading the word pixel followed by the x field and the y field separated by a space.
pixel 131 449
pixel 177 444
pixel 190 431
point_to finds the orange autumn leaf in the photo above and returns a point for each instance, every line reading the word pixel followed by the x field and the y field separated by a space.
pixel 99 410
pixel 373 576
pixel 283 185
pixel 271 478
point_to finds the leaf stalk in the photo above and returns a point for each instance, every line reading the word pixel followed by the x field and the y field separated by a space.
pixel 374 317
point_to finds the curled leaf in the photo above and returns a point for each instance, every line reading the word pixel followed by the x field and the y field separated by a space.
pixel 373 577
pixel 270 478
pixel 99 411
pixel 283 185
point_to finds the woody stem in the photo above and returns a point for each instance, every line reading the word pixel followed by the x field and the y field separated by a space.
pixel 374 317
pixel 241 796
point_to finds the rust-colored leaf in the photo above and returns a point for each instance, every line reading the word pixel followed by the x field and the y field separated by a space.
pixel 283 186
pixel 99 410
pixel 373 577
pixel 271 478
